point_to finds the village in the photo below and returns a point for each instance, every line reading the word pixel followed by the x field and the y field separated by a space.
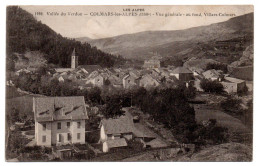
pixel 152 75
pixel 71 128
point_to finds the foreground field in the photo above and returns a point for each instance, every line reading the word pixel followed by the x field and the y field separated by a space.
pixel 205 112
pixel 228 152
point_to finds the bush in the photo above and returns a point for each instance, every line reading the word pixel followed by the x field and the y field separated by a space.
pixel 211 86
pixel 92 137
pixel 243 91
pixel 231 104
pixel 217 66
pixel 136 145
pixel 210 133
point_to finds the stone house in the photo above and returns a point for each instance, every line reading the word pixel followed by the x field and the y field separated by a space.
pixel 148 81
pixel 182 74
pixel 233 85
pixel 115 132
pixel 59 120
pixel 115 81
pixel 129 81
pixel 112 129
pixel 95 80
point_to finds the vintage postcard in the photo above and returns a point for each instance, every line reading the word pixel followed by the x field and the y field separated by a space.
pixel 129 83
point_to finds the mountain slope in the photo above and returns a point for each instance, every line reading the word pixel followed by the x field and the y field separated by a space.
pixel 25 33
pixel 175 43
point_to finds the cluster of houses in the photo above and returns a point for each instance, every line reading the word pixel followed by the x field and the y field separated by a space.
pixel 152 75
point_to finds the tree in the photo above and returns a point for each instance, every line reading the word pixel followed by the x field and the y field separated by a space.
pixel 243 91
pixel 248 114
pixel 217 66
pixel 94 95
pixel 211 86
pixel 190 92
pixel 113 107
pixel 13 115
pixel 232 104
pixel 106 82
pixel 43 70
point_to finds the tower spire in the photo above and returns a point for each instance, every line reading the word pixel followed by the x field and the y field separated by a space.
pixel 73 53
pixel 74 60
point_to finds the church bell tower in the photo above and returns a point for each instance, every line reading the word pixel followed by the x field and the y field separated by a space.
pixel 74 60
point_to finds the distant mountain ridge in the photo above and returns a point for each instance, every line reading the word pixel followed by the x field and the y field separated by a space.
pixel 84 39
pixel 174 43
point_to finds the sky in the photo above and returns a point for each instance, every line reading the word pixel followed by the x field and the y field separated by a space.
pixel 96 27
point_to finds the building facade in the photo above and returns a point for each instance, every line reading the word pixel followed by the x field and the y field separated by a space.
pixel 59 120
pixel 129 81
pixel 233 85
pixel 182 74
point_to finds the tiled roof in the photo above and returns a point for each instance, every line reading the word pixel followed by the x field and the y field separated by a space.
pixel 59 108
pixel 117 126
pixel 116 143
pixel 122 124
pixel 61 70
pixel 142 131
pixel 234 80
pixel 179 70
pixel 90 68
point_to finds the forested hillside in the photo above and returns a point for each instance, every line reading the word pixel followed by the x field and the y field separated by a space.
pixel 25 33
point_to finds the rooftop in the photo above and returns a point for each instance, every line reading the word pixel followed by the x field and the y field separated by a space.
pixel 116 143
pixel 59 108
pixel 90 68
pixel 179 70
pixel 117 126
pixel 234 80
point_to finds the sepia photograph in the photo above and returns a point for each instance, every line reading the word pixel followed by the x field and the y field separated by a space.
pixel 129 83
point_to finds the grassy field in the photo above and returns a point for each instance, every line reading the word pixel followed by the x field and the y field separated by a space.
pixel 204 112
pixel 24 104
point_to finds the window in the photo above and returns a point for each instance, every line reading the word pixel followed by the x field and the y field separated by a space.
pixel 59 125
pixel 128 81
pixel 44 126
pixel 69 136
pixel 78 124
pixel 44 138
pixel 59 138
pixel 78 135
pixel 68 125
